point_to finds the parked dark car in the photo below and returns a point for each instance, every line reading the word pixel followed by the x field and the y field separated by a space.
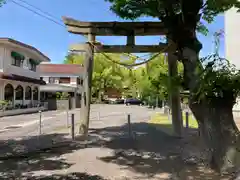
pixel 133 101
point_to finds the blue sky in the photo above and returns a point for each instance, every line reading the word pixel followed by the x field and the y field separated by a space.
pixel 53 39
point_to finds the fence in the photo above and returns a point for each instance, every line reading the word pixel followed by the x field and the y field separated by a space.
pixel 10 110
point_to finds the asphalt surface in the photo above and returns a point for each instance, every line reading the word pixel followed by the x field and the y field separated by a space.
pixel 24 126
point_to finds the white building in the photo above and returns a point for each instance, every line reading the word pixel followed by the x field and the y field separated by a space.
pixel 232 36
pixel 232 41
pixel 19 81
pixel 61 79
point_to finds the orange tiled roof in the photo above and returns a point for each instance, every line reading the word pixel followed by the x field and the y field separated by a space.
pixel 60 68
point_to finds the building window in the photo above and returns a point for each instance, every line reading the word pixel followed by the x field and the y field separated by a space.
pixel 16 62
pixel 51 80
pixel 81 81
pixel 64 80
pixel 32 65
pixel 78 81
pixel 35 93
pixel 17 59
pixel 28 93
pixel 9 93
pixel 19 92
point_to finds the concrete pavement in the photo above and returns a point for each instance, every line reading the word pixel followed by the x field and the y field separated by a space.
pixel 24 126
pixel 27 118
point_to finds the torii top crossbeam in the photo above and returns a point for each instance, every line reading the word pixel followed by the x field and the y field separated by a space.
pixel 115 28
pixel 129 29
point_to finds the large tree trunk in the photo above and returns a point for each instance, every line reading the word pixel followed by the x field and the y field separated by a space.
pixel 222 136
pixel 216 123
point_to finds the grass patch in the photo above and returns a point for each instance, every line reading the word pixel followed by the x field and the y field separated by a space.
pixel 191 120
pixel 161 119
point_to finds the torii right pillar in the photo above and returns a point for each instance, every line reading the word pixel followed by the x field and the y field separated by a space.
pixel 174 96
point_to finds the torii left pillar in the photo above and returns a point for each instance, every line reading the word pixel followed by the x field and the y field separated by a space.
pixel 174 95
pixel 87 85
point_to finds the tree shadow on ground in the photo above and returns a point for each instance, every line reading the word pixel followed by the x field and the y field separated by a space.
pixel 147 152
pixel 21 165
pixel 153 153
pixel 70 176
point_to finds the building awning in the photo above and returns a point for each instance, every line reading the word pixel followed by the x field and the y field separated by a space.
pixel 33 61
pixel 17 55
pixel 56 88
pixel 15 77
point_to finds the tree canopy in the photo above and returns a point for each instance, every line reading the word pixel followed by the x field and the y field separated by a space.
pixel 207 9
pixel 1 2
pixel 106 74
pixel 147 80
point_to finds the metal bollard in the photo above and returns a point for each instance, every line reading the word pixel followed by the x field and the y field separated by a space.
pixel 187 119
pixel 169 114
pixel 73 127
pixel 98 115
pixel 40 122
pixel 129 125
pixel 67 119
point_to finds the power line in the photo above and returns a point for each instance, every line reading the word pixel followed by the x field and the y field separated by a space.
pixel 58 23
pixel 58 19
pixel 37 13
pixel 44 12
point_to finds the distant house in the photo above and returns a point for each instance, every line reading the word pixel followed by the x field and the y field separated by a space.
pixel 19 81
pixel 61 78
pixel 112 94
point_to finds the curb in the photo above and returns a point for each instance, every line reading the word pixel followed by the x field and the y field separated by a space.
pixel 27 154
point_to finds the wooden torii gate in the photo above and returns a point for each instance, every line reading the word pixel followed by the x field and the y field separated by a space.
pixel 130 30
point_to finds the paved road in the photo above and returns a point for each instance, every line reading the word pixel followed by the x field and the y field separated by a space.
pixel 23 126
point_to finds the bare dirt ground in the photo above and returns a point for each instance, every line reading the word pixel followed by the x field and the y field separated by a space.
pixel 109 153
